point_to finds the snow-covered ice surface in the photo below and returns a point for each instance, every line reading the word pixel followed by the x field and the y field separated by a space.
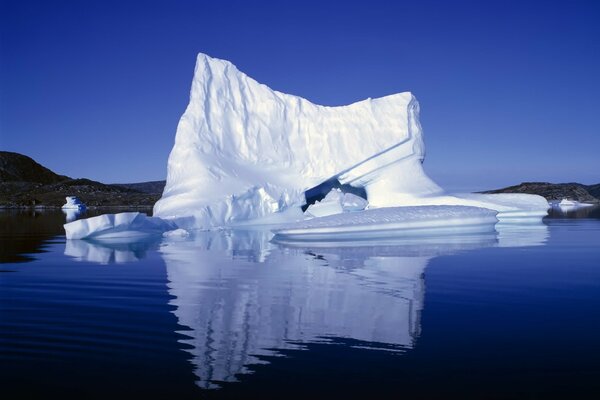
pixel 392 222
pixel 122 226
pixel 244 152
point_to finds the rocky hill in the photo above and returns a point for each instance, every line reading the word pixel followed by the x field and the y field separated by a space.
pixel 15 167
pixel 25 183
pixel 144 187
pixel 556 191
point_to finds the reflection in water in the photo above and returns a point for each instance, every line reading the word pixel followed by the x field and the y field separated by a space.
pixel 108 252
pixel 26 232
pixel 23 233
pixel 243 297
pixel 588 211
pixel 521 235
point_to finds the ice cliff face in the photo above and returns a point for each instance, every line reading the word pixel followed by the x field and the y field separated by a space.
pixel 244 152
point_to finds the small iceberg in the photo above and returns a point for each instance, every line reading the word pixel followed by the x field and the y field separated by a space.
pixel 568 203
pixel 571 204
pixel 73 203
pixel 128 226
pixel 73 208
pixel 392 222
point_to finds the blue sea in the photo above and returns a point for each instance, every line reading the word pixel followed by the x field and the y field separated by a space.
pixel 234 314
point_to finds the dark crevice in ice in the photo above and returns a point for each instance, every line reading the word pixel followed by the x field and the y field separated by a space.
pixel 319 192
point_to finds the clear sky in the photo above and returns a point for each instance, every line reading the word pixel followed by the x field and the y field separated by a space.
pixel 509 90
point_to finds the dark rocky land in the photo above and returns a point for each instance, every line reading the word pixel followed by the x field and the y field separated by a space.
pixel 24 183
pixel 556 191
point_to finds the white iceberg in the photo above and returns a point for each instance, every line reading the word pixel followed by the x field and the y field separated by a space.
pixel 73 203
pixel 567 202
pixel 129 226
pixel 568 205
pixel 246 153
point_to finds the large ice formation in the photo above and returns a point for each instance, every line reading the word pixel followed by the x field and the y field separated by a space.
pixel 244 152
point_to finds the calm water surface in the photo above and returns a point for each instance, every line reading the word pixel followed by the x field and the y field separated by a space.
pixel 514 314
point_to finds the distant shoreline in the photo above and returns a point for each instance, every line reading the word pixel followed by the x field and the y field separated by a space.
pixel 25 184
pixel 44 207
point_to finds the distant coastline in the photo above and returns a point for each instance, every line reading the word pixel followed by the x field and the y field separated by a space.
pixel 556 191
pixel 25 184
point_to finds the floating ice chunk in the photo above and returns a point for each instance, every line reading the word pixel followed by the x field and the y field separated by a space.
pixel 571 204
pixel 393 222
pixel 73 203
pixel 176 233
pixel 129 225
pixel 567 202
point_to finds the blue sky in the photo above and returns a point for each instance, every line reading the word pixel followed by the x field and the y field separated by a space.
pixel 509 90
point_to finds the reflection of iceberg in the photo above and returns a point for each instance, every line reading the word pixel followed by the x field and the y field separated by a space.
pixel 243 297
pixel 512 235
pixel 106 253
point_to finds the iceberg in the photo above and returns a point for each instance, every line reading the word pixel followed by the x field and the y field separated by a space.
pixel 129 225
pixel 73 203
pixel 245 153
pixel 571 204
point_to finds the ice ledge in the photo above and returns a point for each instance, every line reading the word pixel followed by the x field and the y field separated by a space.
pixel 393 222
pixel 129 225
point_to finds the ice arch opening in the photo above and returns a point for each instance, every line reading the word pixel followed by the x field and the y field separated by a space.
pixel 319 192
